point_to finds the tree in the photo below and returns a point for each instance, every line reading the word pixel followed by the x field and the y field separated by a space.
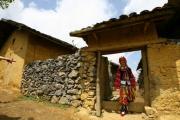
pixel 5 3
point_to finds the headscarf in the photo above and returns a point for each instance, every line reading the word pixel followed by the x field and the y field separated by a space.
pixel 123 59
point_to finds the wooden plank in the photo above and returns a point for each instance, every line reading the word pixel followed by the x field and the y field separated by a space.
pixel 145 76
pixel 98 96
pixel 119 47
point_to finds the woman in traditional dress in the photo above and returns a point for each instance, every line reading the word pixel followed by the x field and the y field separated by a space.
pixel 125 84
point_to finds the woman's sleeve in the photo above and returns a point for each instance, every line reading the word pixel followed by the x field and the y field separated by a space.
pixel 117 80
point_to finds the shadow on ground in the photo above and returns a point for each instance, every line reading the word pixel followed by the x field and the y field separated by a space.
pixel 4 117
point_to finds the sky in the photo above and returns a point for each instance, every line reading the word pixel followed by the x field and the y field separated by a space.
pixel 59 17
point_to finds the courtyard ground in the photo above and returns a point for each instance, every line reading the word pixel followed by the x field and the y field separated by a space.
pixel 13 106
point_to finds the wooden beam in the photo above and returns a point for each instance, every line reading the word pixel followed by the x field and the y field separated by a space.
pixel 98 95
pixel 120 48
pixel 95 36
pixel 175 3
pixel 145 77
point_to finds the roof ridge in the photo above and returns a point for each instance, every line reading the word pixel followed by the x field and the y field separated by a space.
pixel 34 31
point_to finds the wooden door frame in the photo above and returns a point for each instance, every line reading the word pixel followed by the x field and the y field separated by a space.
pixel 145 77
pixel 98 88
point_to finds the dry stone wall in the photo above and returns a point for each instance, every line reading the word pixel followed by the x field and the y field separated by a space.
pixel 88 74
pixel 69 79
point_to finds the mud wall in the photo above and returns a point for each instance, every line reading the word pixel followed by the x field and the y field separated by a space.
pixel 14 48
pixel 164 76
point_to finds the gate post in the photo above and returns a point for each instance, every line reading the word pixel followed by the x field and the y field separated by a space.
pixel 98 95
pixel 145 76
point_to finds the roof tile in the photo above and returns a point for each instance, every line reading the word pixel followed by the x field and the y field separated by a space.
pixel 123 17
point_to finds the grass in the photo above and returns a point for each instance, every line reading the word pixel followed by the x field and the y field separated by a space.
pixel 43 101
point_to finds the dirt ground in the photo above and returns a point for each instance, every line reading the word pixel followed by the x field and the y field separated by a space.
pixel 30 110
pixel 14 107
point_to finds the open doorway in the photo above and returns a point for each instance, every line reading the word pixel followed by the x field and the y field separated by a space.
pixel 109 65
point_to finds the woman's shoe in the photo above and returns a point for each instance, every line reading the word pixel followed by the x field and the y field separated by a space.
pixel 123 113
pixel 123 110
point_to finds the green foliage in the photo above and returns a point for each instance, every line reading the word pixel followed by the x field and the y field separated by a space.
pixel 28 98
pixel 5 3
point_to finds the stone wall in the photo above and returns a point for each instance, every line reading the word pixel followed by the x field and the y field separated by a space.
pixel 69 79
pixel 164 75
pixel 88 74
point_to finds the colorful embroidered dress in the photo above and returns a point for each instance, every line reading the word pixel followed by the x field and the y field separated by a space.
pixel 125 82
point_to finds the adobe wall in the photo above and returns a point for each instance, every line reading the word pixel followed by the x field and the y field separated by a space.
pixel 15 48
pixel 24 48
pixel 41 49
pixel 164 76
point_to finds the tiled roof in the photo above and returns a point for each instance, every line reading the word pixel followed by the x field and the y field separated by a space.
pixel 156 13
pixel 33 31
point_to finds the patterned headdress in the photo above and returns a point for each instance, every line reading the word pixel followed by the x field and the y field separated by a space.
pixel 122 59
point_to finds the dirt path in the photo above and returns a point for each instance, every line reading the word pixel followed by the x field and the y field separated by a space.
pixel 14 108
pixel 30 110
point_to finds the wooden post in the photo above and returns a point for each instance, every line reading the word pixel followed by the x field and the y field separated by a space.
pixel 175 3
pixel 98 95
pixel 145 76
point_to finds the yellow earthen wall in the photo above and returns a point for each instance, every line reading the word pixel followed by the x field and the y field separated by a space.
pixel 41 49
pixel 164 76
pixel 15 47
pixel 24 48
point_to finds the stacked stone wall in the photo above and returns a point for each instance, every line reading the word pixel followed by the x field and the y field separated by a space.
pixel 69 79
pixel 88 74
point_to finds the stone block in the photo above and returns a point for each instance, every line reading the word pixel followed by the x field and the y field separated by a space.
pixel 54 99
pixel 76 103
pixel 73 74
pixel 84 96
pixel 150 111
pixel 73 91
pixel 63 100
pixel 91 93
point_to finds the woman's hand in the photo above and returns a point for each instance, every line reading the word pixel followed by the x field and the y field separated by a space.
pixel 118 90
